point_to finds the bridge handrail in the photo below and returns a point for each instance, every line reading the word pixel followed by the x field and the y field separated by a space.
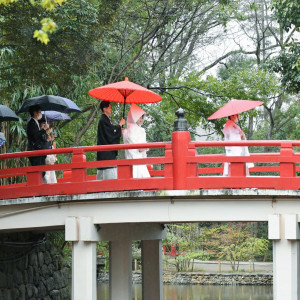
pixel 267 143
pixel 182 168
pixel 84 149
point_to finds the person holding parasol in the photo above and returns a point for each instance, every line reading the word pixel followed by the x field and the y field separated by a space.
pixel 232 131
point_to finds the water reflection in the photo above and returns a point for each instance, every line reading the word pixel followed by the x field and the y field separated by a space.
pixel 200 292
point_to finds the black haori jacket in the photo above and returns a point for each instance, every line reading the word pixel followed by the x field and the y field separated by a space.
pixel 36 137
pixel 107 134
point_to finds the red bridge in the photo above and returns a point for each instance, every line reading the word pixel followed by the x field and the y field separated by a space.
pixel 188 187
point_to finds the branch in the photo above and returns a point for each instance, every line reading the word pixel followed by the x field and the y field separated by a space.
pixel 90 118
pixel 233 53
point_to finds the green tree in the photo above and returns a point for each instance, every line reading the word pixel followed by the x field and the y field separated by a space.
pixel 234 243
pixel 48 26
pixel 185 237
pixel 151 41
pixel 72 51
pixel 287 63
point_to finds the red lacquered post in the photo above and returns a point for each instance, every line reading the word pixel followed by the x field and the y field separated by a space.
pixel 287 169
pixel 78 171
pixel 34 178
pixel 180 144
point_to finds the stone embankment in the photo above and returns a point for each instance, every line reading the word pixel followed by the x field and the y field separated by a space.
pixel 188 278
pixel 31 268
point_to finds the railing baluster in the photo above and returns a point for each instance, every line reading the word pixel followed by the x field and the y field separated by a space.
pixel 287 169
pixel 78 174
pixel 192 168
pixel 237 169
pixel 125 172
pixel 168 168
pixel 34 178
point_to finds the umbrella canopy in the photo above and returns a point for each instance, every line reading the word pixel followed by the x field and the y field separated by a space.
pixel 234 107
pixel 50 102
pixel 52 115
pixel 6 114
pixel 71 106
pixel 125 92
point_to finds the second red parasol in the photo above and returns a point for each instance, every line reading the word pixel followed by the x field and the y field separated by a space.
pixel 234 107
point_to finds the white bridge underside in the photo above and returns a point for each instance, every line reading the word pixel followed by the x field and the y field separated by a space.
pixel 148 207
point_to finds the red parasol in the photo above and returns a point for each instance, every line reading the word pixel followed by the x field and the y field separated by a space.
pixel 125 92
pixel 234 107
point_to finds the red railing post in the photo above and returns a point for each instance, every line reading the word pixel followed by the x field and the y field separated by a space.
pixel 180 144
pixel 34 178
pixel 125 172
pixel 237 169
pixel 79 173
pixel 287 169
pixel 168 168
pixel 192 167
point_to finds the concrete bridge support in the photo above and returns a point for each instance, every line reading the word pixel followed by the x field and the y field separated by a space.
pixel 120 270
pixel 84 234
pixel 84 270
pixel 284 231
pixel 152 276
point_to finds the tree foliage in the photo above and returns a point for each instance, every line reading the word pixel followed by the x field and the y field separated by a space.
pixel 48 26
pixel 72 50
pixel 233 242
pixel 185 237
pixel 287 63
pixel 156 44
pixel 287 13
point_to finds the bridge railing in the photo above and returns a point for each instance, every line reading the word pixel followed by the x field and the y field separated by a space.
pixel 181 169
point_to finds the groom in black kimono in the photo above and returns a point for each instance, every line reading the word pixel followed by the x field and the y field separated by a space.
pixel 108 134
pixel 37 136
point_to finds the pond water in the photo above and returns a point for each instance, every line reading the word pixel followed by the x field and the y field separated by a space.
pixel 200 292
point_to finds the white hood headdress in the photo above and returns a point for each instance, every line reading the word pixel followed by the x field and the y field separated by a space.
pixel 134 114
pixel 134 133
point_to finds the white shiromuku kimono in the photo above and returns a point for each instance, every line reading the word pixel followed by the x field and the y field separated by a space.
pixel 232 132
pixel 135 134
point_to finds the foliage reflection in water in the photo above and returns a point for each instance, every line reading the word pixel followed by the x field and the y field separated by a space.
pixel 200 292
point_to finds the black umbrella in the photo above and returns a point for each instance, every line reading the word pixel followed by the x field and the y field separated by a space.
pixel 72 106
pixel 49 102
pixel 6 114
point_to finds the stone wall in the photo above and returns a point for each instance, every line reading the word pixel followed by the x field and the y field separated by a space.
pixel 31 268
pixel 205 278
pixel 219 278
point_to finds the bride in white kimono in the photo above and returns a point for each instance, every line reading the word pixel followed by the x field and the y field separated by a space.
pixel 233 132
pixel 135 134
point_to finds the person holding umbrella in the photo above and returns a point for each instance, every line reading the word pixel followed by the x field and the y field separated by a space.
pixel 107 134
pixel 37 137
pixel 50 159
pixel 122 92
pixel 6 114
pixel 232 131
